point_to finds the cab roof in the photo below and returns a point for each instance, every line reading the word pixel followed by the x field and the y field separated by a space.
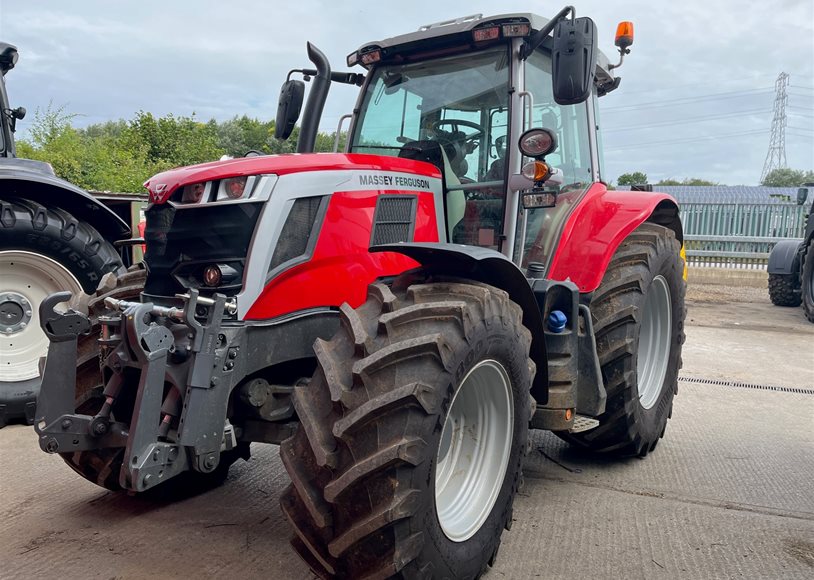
pixel 448 30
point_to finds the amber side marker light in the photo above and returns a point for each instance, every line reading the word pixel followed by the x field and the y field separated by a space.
pixel 624 35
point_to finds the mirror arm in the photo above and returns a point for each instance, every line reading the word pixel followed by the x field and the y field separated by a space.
pixel 538 37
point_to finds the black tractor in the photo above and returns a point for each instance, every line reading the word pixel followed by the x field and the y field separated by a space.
pixel 53 236
pixel 791 265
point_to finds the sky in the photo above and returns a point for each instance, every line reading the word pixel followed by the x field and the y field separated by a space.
pixel 696 98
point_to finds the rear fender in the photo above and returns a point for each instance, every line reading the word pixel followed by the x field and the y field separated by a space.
pixel 51 191
pixel 785 257
pixel 597 227
pixel 490 267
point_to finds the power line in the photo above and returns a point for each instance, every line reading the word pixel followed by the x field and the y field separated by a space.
pixel 687 140
pixel 684 100
pixel 687 120
pixel 672 87
pixel 800 128
pixel 801 87
pixel 776 156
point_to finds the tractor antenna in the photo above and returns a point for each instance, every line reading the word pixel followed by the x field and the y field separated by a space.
pixel 776 156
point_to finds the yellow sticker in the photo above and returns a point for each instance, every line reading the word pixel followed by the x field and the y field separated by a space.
pixel 683 255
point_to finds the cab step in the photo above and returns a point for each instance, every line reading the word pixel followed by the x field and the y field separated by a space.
pixel 583 423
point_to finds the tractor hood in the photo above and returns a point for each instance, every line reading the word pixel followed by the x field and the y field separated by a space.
pixel 163 185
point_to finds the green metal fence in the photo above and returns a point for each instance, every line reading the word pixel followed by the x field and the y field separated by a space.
pixel 738 235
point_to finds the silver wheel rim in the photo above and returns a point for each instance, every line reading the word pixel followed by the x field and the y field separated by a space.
pixel 655 333
pixel 474 451
pixel 26 279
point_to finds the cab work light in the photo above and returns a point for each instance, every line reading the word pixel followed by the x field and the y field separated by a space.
pixel 371 57
pixel 539 200
pixel 512 30
pixel 537 143
pixel 482 34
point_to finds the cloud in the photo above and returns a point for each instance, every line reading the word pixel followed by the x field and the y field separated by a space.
pixel 106 60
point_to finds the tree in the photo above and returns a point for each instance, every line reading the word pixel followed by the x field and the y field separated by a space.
pixel 787 178
pixel 121 155
pixel 634 178
pixel 174 140
pixel 692 181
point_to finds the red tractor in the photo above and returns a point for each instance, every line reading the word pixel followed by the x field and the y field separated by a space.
pixel 395 317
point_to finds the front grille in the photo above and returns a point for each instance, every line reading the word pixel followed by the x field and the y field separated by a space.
pixel 393 220
pixel 182 240
pixel 298 230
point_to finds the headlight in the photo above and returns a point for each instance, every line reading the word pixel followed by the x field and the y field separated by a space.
pixel 195 193
pixel 537 143
pixel 235 187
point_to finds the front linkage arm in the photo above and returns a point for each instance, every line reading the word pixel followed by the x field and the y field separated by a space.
pixel 60 430
pixel 150 455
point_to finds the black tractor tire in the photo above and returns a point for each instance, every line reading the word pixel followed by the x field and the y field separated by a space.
pixel 782 290
pixel 363 461
pixel 627 428
pixel 103 466
pixel 807 285
pixel 76 246
pixel 53 232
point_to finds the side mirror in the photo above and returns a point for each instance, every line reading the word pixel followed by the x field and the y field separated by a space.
pixel 573 56
pixel 8 57
pixel 802 195
pixel 288 108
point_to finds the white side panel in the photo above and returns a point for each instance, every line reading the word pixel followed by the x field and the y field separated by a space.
pixel 316 184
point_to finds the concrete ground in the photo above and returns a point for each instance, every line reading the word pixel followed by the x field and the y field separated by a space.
pixel 728 493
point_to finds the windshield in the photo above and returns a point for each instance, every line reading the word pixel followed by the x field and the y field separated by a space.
pixel 459 106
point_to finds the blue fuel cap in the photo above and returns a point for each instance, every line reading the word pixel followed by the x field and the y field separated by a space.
pixel 557 321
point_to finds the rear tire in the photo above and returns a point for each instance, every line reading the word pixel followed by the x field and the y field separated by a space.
pixel 42 251
pixel 387 423
pixel 103 466
pixel 640 363
pixel 782 291
pixel 808 282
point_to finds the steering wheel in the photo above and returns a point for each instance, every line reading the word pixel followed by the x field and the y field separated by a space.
pixel 456 124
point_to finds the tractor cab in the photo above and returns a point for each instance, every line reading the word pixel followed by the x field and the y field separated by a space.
pixel 459 94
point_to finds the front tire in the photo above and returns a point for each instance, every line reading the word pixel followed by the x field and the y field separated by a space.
pixel 638 317
pixel 808 282
pixel 412 434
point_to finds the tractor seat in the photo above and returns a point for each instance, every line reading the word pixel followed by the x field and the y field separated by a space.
pixel 433 152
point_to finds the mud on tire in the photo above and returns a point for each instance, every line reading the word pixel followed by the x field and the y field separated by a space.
pixel 364 459
pixel 647 261
pixel 782 291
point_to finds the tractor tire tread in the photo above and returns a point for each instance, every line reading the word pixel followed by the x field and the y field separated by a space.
pixel 348 449
pixel 782 291
pixel 616 309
